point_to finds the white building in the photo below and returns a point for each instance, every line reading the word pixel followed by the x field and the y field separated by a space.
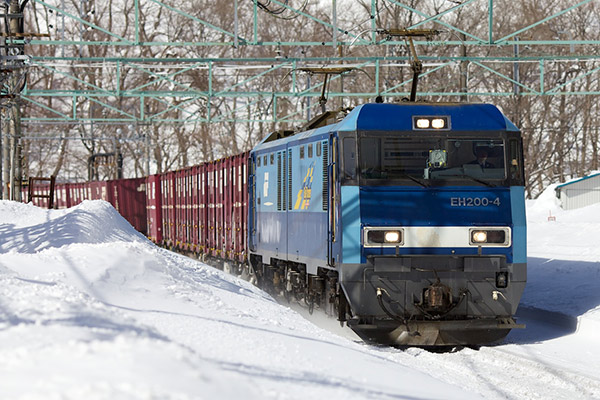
pixel 579 192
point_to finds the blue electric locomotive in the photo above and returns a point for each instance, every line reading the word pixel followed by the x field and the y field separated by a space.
pixel 406 220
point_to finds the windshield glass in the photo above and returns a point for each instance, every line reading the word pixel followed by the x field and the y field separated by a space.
pixel 428 159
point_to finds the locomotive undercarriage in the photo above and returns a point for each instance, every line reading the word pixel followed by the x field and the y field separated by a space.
pixel 433 300
pixel 291 281
pixel 416 301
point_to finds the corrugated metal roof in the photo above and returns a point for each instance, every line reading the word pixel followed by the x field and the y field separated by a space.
pixel 593 175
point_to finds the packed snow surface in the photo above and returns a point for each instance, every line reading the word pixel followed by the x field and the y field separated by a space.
pixel 89 308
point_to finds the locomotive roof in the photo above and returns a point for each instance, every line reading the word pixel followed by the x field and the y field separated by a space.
pixel 399 117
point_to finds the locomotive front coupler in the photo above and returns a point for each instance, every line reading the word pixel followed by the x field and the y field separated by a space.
pixel 437 300
pixel 437 297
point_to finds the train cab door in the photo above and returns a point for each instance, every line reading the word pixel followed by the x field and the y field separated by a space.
pixel 284 200
pixel 288 201
pixel 252 231
pixel 330 153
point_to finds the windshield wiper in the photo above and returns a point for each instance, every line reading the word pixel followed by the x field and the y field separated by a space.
pixel 412 178
pixel 475 179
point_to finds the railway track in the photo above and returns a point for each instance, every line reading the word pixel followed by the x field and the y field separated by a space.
pixel 525 365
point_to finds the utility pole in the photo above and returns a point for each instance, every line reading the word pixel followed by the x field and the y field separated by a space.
pixel 464 71
pixel 12 76
pixel 13 63
pixel 16 30
pixel 5 164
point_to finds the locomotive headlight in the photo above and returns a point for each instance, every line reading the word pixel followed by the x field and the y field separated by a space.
pixel 489 237
pixel 392 237
pixel 422 123
pixel 479 236
pixel 438 123
pixel 382 237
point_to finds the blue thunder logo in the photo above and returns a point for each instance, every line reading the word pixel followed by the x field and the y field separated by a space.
pixel 304 194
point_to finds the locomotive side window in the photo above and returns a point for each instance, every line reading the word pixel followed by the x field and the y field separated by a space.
pixel 258 161
pixel 301 152
pixel 349 148
pixel 370 158
pixel 310 150
pixel 265 160
pixel 272 158
pixel 319 149
pixel 515 158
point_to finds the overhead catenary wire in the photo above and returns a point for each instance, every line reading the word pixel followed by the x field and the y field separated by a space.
pixel 277 13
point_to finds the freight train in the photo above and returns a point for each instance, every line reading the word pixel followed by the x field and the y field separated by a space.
pixel 405 221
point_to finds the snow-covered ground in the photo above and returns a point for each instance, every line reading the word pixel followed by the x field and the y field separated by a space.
pixel 90 309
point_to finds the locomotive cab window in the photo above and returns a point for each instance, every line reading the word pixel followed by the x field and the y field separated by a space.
pixel 468 159
pixel 430 160
pixel 310 150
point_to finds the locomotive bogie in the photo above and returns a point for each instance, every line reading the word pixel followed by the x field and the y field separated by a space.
pixel 291 281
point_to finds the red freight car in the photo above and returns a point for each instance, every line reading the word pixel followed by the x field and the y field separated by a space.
pixel 186 210
pixel 39 189
pixel 203 226
pixel 98 190
pixel 179 204
pixel 62 196
pixel 220 183
pixel 193 209
pixel 211 201
pixel 239 207
pixel 78 193
pixel 227 238
pixel 65 194
pixel 154 208
pixel 168 208
pixel 129 199
pixel 200 209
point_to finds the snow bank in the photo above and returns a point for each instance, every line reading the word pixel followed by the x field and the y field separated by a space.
pixel 28 229
pixel 91 309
